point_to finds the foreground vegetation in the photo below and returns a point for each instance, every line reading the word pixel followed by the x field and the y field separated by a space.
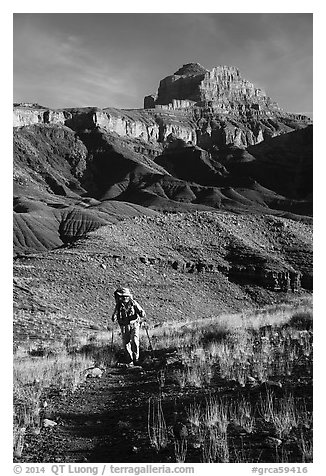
pixel 243 385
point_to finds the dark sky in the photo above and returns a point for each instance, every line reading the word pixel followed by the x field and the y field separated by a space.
pixel 106 59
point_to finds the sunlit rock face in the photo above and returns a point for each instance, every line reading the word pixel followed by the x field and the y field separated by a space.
pixel 26 114
pixel 227 109
pixel 222 88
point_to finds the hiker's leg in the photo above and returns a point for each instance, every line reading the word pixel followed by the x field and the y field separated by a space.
pixel 125 333
pixel 135 342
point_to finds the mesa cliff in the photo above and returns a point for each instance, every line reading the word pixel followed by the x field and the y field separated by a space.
pixel 222 88
pixel 198 106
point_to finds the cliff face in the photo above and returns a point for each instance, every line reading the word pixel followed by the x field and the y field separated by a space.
pixel 227 109
pixel 155 128
pixel 200 107
pixel 222 88
pixel 28 114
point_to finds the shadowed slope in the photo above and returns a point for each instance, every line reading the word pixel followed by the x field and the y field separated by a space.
pixel 284 163
pixel 40 226
pixel 61 178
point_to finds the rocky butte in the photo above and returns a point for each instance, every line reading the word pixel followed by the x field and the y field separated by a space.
pixel 222 89
pixel 201 107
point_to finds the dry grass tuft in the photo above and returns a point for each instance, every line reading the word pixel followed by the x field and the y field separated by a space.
pixel 157 429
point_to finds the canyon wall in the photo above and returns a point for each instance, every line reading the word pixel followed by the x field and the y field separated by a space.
pixel 200 107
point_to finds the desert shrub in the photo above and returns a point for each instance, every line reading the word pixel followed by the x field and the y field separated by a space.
pixel 209 429
pixel 214 333
pixel 283 413
pixel 249 350
pixel 305 444
pixel 180 377
pixel 242 413
pixel 18 440
pixel 258 355
pixel 34 377
pixel 156 425
pixel 215 447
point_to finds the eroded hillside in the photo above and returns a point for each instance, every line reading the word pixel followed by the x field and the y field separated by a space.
pixel 180 266
pixel 61 176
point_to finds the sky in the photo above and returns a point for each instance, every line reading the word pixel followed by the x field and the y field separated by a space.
pixel 114 60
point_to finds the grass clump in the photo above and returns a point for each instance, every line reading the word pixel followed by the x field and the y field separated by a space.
pixel 281 412
pixel 157 429
pixel 39 372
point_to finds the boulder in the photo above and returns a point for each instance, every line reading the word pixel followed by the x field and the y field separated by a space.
pixel 95 372
pixel 49 423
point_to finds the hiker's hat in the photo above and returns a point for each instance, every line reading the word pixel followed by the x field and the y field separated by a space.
pixel 123 292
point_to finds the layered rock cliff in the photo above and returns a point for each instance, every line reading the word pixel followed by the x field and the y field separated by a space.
pixel 26 114
pixel 200 107
pixel 227 109
pixel 221 88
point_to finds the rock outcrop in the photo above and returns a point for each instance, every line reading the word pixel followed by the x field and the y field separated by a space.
pixel 228 109
pixel 26 114
pixel 221 88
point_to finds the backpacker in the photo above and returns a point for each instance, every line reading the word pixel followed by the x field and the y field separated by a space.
pixel 127 313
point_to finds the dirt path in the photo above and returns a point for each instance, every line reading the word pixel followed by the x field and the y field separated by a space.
pixel 104 420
